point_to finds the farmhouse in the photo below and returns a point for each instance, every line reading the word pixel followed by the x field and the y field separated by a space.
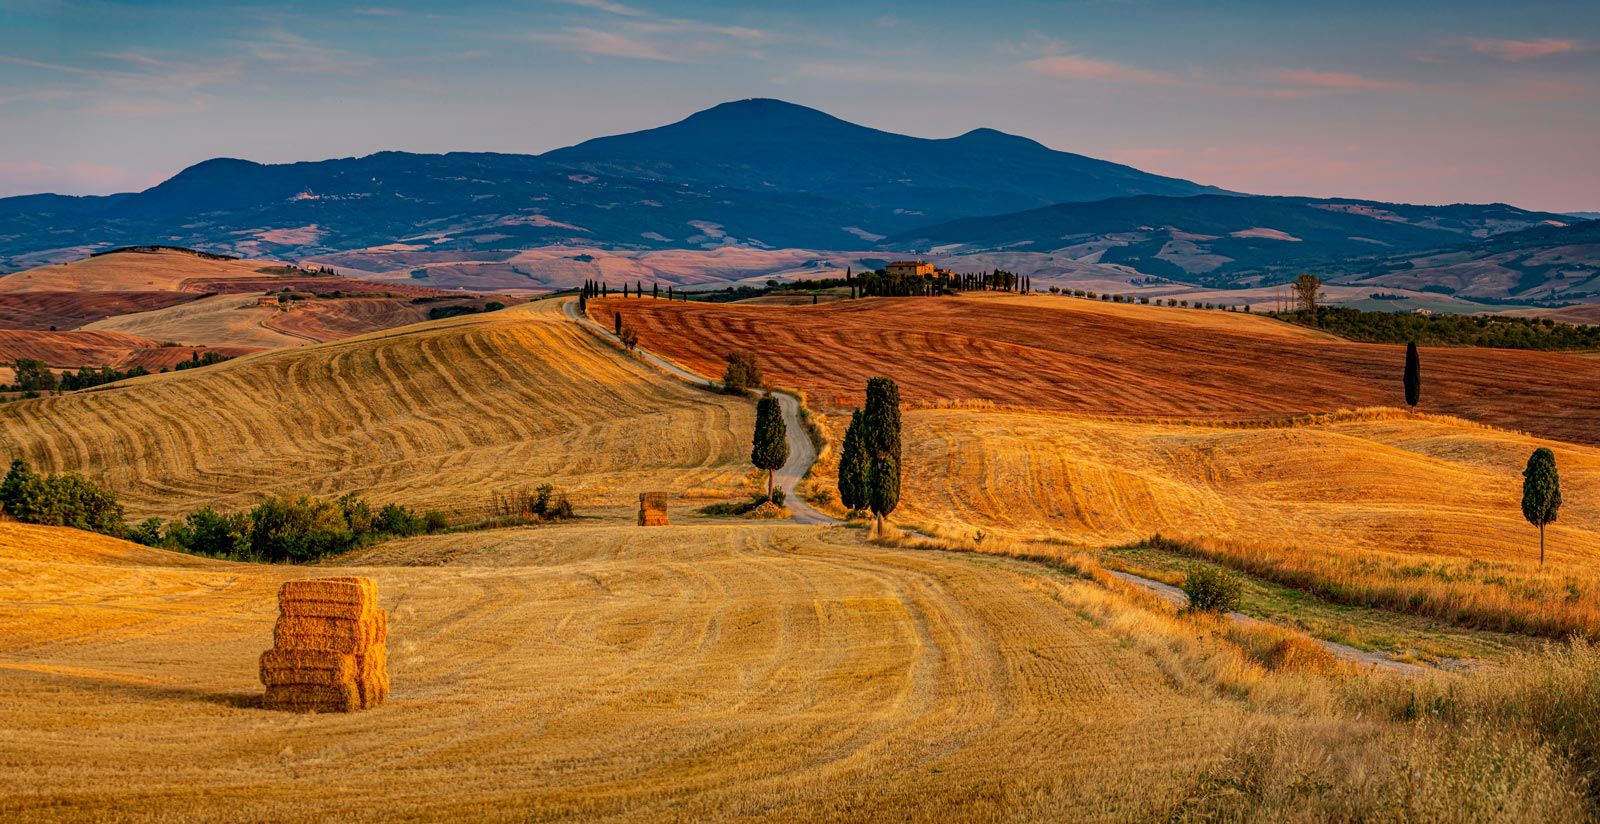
pixel 910 268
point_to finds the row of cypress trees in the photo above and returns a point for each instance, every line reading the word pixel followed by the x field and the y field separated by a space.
pixel 869 461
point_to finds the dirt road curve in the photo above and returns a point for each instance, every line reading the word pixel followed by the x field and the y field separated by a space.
pixel 801 451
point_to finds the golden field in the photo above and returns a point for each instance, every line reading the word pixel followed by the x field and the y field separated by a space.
pixel 439 415
pixel 718 670
pixel 715 672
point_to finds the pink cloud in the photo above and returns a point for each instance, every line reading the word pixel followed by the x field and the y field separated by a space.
pixel 1075 67
pixel 1524 49
pixel 1337 81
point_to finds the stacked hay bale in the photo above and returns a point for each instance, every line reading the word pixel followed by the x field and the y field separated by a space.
pixel 329 649
pixel 652 509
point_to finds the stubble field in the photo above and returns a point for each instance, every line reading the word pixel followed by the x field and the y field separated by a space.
pixel 440 415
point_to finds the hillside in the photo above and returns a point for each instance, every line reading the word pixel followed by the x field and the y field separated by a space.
pixel 1083 356
pixel 1221 240
pixel 179 296
pixel 1546 263
pixel 440 415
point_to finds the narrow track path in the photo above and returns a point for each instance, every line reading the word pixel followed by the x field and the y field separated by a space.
pixel 802 453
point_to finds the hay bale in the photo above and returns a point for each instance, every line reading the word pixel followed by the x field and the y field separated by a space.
pixel 372 675
pixel 652 509
pixel 330 650
pixel 330 634
pixel 311 667
pixel 353 598
pixel 313 698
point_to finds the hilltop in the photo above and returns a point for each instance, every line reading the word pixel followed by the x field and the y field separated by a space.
pixel 760 172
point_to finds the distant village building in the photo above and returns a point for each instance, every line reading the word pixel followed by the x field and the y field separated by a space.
pixel 1422 310
pixel 910 269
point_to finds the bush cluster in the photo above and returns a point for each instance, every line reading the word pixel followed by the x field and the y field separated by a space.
pixel 1212 590
pixel 283 528
pixel 742 373
pixel 544 504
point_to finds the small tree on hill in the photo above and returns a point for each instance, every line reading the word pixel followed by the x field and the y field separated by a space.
pixel 742 374
pixel 853 465
pixel 881 439
pixel 769 449
pixel 616 318
pixel 1413 378
pixel 1308 292
pixel 1541 492
pixel 629 336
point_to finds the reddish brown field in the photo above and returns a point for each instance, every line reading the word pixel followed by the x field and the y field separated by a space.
pixel 1111 359
pixel 325 320
pixel 70 310
pixel 100 348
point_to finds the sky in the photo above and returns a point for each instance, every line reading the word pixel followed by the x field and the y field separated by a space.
pixel 1405 100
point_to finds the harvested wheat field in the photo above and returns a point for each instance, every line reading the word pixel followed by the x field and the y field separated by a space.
pixel 1378 479
pixel 440 415
pixel 1083 356
pixel 704 672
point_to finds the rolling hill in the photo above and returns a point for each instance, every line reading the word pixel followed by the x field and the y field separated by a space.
pixel 441 415
pixel 1089 357
pixel 1219 240
pixel 1548 263
pixel 176 296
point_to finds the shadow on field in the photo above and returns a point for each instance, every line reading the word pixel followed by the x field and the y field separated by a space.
pixel 112 686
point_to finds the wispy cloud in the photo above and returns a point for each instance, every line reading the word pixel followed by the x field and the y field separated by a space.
pixel 641 35
pixel 1078 67
pixel 1517 50
pixel 1327 81
pixel 607 6
pixel 608 44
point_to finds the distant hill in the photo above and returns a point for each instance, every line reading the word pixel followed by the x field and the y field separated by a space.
pixel 1547 263
pixel 758 172
pixel 1223 240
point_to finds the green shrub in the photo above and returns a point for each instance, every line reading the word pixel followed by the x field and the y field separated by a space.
pixel 295 528
pixel 1212 590
pixel 435 521
pixel 395 519
pixel 67 499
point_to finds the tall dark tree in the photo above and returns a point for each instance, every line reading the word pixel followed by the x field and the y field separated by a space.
pixel 881 439
pixel 1413 378
pixel 616 318
pixel 769 449
pixel 1541 492
pixel 655 289
pixel 853 465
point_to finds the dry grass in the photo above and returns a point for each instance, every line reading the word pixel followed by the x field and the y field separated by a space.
pixel 1112 359
pixel 433 416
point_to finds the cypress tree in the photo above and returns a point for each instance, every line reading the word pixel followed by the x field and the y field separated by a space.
pixel 853 465
pixel 655 289
pixel 881 442
pixel 769 448
pixel 1413 379
pixel 1541 492
pixel 617 316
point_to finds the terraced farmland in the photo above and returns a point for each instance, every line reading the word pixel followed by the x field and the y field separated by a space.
pixel 440 415
pixel 703 672
pixel 1083 356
